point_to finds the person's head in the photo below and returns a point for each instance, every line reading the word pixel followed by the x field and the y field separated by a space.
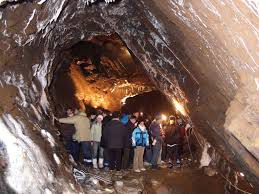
pixel 81 111
pixel 104 114
pixel 133 119
pixel 92 116
pixel 141 123
pixel 136 114
pixel 69 112
pixel 116 115
pixel 171 120
pixel 99 119
pixel 159 119
pixel 179 121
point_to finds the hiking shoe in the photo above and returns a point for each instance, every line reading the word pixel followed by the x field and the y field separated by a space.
pixel 178 163
pixel 147 164
pixel 137 171
pixel 155 167
pixel 143 169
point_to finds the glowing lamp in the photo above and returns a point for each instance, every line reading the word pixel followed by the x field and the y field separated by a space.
pixel 179 107
pixel 164 117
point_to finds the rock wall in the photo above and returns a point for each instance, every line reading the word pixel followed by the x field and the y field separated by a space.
pixel 202 53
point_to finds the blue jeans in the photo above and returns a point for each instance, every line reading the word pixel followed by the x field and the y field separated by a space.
pixel 86 148
pixel 75 150
pixel 97 149
pixel 156 152
pixel 148 155
pixel 68 145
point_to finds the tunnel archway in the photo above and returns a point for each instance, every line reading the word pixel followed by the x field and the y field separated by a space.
pixel 99 72
pixel 191 50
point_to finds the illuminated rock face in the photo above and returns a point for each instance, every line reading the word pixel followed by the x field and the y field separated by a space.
pixel 102 73
pixel 202 53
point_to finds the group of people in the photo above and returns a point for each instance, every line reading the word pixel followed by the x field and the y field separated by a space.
pixel 116 141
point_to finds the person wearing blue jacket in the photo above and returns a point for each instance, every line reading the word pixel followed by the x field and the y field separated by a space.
pixel 124 118
pixel 140 140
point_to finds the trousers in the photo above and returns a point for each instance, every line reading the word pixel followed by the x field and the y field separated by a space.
pixel 138 158
pixel 114 158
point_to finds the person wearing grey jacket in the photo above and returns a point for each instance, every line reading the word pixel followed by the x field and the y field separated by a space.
pixel 96 133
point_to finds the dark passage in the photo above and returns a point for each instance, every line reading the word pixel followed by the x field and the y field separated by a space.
pixel 151 103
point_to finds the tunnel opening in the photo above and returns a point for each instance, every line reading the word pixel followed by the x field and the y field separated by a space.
pixel 151 103
pixel 99 72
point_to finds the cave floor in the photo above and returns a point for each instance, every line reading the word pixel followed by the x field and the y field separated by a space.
pixel 162 181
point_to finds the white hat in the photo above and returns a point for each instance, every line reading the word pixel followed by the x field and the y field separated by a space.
pixel 99 117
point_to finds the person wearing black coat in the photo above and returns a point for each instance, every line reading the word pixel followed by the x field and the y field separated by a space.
pixel 67 131
pixel 114 138
pixel 107 118
pixel 173 142
pixel 128 150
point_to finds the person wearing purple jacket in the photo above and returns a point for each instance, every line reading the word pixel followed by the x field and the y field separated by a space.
pixel 155 129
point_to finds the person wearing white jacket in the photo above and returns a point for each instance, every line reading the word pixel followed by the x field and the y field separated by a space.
pixel 96 134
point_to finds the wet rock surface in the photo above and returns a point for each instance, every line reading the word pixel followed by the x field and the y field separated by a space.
pixel 203 53
pixel 169 181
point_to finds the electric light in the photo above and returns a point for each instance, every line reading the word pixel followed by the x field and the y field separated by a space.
pixel 179 107
pixel 241 174
pixel 141 113
pixel 164 117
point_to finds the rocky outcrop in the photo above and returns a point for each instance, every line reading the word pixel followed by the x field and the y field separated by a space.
pixel 202 53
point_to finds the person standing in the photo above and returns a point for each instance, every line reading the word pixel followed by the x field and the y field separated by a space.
pixel 114 136
pixel 107 117
pixel 126 159
pixel 82 135
pixel 96 132
pixel 140 140
pixel 148 150
pixel 124 118
pixel 67 132
pixel 155 129
pixel 173 142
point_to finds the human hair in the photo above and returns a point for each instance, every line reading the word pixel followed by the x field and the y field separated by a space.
pixel 133 117
pixel 116 114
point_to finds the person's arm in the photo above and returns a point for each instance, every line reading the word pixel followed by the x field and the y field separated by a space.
pixel 68 120
pixel 147 139
pixel 92 132
pixel 133 138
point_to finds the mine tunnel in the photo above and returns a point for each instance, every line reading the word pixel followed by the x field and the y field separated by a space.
pixel 195 60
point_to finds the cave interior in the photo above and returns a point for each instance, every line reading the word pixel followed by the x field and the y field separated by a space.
pixel 197 59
